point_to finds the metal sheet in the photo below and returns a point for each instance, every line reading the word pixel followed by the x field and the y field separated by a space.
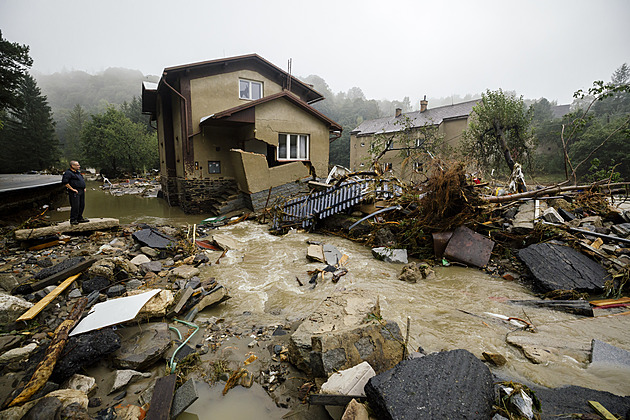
pixel 469 247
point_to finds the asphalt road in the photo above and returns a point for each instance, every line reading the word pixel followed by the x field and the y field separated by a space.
pixel 10 182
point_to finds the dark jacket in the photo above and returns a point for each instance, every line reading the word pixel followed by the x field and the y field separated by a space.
pixel 75 179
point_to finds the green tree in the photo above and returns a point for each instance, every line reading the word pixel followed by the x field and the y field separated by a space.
pixel 75 122
pixel 29 141
pixel 115 144
pixel 499 129
pixel 14 62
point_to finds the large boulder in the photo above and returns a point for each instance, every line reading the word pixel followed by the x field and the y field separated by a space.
pixel 447 385
pixel 558 267
pixel 342 332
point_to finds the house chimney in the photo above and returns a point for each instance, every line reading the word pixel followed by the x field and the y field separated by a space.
pixel 398 112
pixel 423 104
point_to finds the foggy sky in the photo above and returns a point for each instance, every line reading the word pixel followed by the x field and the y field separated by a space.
pixel 390 50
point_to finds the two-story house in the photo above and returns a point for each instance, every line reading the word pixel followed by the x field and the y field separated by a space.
pixel 448 122
pixel 236 131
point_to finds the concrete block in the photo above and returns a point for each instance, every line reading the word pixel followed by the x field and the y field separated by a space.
pixel 347 382
pixel 184 397
pixel 602 352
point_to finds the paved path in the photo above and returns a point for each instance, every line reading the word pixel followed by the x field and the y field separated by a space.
pixel 11 182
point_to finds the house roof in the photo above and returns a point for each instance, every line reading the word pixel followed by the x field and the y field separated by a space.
pixel 245 108
pixel 306 90
pixel 432 116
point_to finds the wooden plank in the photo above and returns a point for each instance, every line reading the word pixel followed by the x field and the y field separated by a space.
pixel 601 410
pixel 24 289
pixel 37 308
pixel 334 399
pixel 162 399
pixel 604 302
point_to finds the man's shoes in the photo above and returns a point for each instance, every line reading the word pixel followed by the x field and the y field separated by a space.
pixel 84 220
pixel 74 222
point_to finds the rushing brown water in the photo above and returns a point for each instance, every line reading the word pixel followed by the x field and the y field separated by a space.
pixel 261 278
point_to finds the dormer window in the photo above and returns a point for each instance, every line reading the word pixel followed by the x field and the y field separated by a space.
pixel 248 89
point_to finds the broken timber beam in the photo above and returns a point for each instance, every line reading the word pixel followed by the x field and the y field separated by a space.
pixel 25 289
pixel 45 368
pixel 37 308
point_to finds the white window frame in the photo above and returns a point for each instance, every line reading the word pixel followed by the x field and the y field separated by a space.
pixel 301 155
pixel 249 89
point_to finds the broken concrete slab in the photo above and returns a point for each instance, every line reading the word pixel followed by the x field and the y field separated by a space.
pixel 544 346
pixel 527 213
pixel 342 311
pixel 452 384
pixel 602 352
pixel 558 267
pixel 315 252
pixel 185 271
pixel 349 381
pixel 398 256
pixel 380 344
pixel 93 224
pixel 153 238
pixel 184 397
pixel 142 346
pixel 123 377
pixel 469 247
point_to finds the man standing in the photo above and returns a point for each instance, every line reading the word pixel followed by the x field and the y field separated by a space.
pixel 74 182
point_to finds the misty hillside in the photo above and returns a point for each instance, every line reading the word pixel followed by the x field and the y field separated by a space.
pixel 93 92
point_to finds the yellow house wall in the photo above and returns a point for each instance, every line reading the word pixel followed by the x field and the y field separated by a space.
pixel 213 94
pixel 281 116
pixel 177 136
pixel 452 131
pixel 214 144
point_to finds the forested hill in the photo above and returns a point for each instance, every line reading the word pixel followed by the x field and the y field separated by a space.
pixel 92 92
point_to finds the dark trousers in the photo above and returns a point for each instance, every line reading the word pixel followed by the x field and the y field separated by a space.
pixel 77 204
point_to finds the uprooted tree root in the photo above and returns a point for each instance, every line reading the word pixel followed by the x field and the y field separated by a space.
pixel 444 203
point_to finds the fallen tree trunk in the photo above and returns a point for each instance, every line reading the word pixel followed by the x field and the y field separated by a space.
pixel 45 368
pixel 550 190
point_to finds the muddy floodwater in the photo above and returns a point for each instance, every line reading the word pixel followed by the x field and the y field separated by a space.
pixel 446 312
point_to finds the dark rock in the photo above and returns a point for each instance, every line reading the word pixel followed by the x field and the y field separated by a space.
pixel 46 408
pixel 45 262
pixel 95 402
pixel 74 411
pixel 142 346
pixel 384 237
pixel 447 385
pixel 155 239
pixel 84 350
pixel 557 267
pixel 64 265
pixel 8 342
pixel 120 274
pixel 194 282
pixel 201 258
pixel 31 260
pixel 566 215
pixel 116 290
pixel 152 266
pixel 97 283
pixel 279 331
pixel 574 399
